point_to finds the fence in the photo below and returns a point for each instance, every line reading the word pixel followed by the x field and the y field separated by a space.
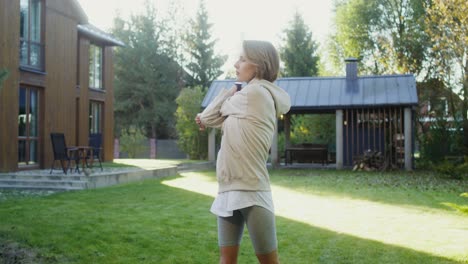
pixel 164 149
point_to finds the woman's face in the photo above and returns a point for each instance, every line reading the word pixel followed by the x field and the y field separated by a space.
pixel 245 69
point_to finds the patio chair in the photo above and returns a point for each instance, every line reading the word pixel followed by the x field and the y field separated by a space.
pixel 95 142
pixel 62 152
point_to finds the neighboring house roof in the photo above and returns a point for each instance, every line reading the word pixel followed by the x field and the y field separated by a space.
pixel 328 93
pixel 97 34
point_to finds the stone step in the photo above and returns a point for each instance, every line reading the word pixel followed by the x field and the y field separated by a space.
pixel 43 180
pixel 54 177
pixel 31 187
pixel 45 184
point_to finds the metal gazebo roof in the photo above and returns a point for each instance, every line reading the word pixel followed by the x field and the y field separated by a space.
pixel 329 93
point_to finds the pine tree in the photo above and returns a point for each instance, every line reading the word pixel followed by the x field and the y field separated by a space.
pixel 204 65
pixel 299 50
pixel 146 76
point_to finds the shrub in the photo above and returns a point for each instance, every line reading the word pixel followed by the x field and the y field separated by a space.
pixel 132 141
pixel 190 139
pixel 443 139
pixel 452 169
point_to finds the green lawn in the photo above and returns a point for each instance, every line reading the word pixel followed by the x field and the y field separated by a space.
pixel 322 217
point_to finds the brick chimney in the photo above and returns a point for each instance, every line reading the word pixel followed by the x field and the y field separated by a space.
pixel 351 68
pixel 351 75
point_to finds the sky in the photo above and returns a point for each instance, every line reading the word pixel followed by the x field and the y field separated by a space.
pixel 233 21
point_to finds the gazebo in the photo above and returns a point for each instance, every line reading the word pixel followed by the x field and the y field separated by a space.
pixel 373 113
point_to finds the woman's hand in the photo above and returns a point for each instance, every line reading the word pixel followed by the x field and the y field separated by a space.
pixel 199 123
pixel 233 90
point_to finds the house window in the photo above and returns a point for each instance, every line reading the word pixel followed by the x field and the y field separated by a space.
pixel 28 126
pixel 438 106
pixel 31 28
pixel 95 117
pixel 95 67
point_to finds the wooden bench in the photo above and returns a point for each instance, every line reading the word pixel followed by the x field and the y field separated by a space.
pixel 306 153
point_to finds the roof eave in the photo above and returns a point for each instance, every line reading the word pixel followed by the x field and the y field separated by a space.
pixel 104 38
pixel 81 13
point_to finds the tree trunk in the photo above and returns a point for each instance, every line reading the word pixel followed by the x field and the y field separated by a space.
pixel 153 142
pixel 116 148
pixel 465 108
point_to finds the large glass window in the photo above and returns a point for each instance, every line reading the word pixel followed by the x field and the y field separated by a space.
pixel 95 117
pixel 31 42
pixel 95 67
pixel 28 126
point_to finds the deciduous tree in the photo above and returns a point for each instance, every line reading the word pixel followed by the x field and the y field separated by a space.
pixel 448 28
pixel 386 35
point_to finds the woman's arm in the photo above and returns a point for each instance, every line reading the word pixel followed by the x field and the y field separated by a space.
pixel 211 116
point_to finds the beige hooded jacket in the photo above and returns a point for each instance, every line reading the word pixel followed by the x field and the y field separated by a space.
pixel 248 121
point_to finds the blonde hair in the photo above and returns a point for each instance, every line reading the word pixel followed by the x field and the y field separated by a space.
pixel 265 56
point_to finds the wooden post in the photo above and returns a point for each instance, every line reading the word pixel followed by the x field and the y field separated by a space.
pixel 212 145
pixel 287 130
pixel 274 148
pixel 152 148
pixel 408 140
pixel 339 139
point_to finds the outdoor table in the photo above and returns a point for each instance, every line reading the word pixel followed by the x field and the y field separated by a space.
pixel 82 152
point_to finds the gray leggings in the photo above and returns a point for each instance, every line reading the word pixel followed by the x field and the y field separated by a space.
pixel 260 223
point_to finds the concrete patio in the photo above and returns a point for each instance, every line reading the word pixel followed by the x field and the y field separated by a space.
pixel 94 178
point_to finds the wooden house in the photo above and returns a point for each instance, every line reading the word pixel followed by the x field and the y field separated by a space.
pixel 60 80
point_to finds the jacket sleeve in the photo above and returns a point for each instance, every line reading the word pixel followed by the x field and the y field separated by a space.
pixel 211 116
pixel 236 105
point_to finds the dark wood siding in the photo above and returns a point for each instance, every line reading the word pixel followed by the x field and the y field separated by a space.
pixel 59 94
pixel 9 59
pixel 83 93
pixel 108 105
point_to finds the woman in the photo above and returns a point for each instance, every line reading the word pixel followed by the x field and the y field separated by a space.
pixel 248 121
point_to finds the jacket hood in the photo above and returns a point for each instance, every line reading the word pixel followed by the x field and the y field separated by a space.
pixel 280 96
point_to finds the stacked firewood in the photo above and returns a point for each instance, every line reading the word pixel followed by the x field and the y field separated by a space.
pixel 369 161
